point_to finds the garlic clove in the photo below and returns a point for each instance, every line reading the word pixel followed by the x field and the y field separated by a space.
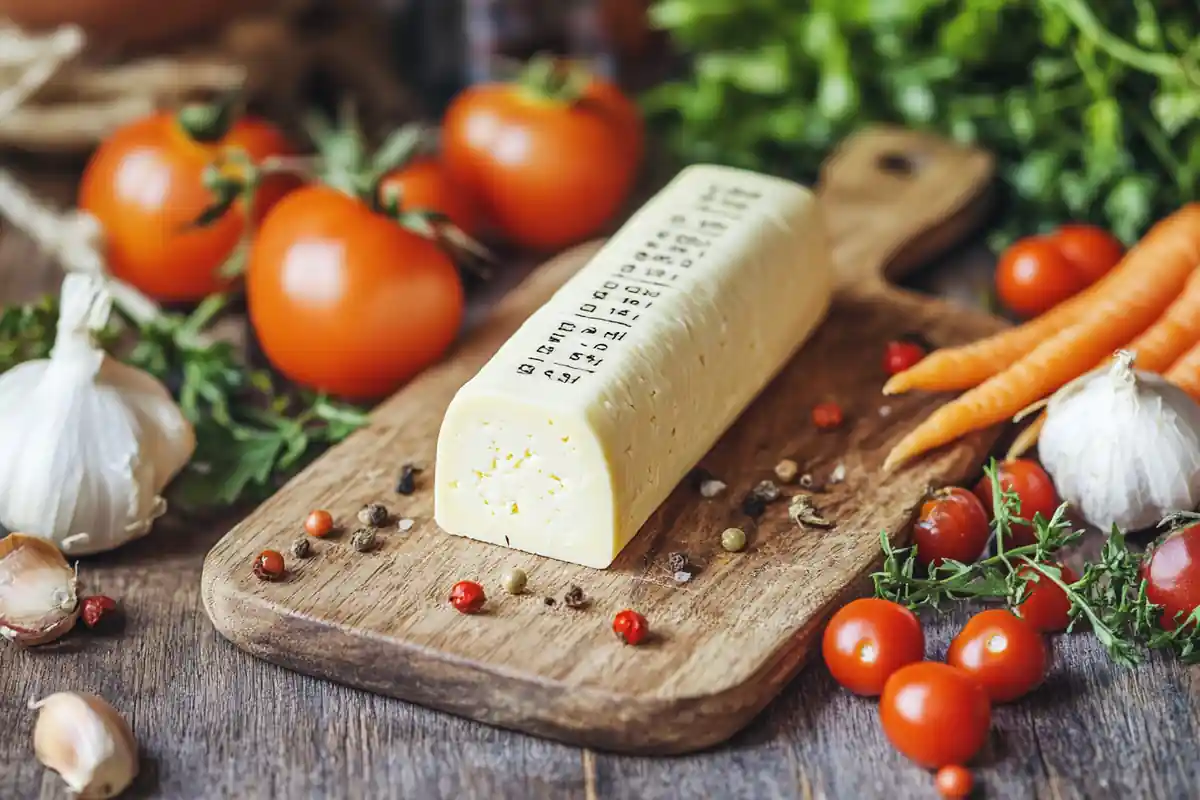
pixel 87 742
pixel 38 599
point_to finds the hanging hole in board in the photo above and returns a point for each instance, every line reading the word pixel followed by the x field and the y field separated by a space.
pixel 897 164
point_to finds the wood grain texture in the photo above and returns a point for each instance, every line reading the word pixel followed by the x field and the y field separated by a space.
pixel 727 641
pixel 215 723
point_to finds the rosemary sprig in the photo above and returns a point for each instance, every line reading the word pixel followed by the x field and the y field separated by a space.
pixel 1110 595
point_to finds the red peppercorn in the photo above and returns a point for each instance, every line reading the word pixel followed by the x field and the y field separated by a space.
pixel 900 355
pixel 318 523
pixel 827 415
pixel 96 608
pixel 467 597
pixel 630 626
pixel 269 566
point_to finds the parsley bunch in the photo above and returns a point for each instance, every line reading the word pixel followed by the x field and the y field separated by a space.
pixel 251 432
pixel 1092 108
pixel 1109 597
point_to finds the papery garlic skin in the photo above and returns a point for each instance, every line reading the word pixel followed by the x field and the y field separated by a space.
pixel 1123 447
pixel 86 443
pixel 87 742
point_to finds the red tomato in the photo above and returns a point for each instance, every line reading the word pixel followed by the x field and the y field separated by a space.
pixel 424 184
pixel 1033 276
pixel 1090 250
pixel 549 172
pixel 1034 488
pixel 954 782
pixel 952 524
pixel 144 185
pixel 935 714
pixel 1046 605
pixel 900 355
pixel 1172 574
pixel 345 300
pixel 1003 652
pixel 869 639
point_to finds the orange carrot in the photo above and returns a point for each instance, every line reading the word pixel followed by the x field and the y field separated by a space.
pixel 1185 372
pixel 1156 349
pixel 954 368
pixel 1151 276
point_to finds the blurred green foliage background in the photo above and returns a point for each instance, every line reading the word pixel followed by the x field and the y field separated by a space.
pixel 1091 106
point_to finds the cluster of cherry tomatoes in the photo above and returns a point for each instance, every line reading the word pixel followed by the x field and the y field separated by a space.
pixel 342 298
pixel 1039 272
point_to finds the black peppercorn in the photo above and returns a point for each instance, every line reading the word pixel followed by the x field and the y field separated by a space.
pixel 407 482
pixel 753 506
pixel 574 598
pixel 677 562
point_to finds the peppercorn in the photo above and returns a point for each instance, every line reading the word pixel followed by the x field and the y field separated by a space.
pixel 786 470
pixel 407 482
pixel 767 491
pixel 549 601
pixel 96 608
pixel 630 626
pixel 269 566
pixel 467 596
pixel 753 506
pixel 318 523
pixel 373 514
pixel 733 539
pixel 900 355
pixel 802 512
pixel 827 415
pixel 363 539
pixel 405 524
pixel 301 548
pixel 574 598
pixel 677 562
pixel 514 581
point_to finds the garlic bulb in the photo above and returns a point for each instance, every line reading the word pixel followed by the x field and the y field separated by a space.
pixel 85 740
pixel 86 443
pixel 1123 447
pixel 38 599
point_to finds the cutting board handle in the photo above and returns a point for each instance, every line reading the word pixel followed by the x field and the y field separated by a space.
pixel 895 199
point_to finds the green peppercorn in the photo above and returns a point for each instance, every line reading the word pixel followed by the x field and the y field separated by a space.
pixel 733 539
pixel 514 581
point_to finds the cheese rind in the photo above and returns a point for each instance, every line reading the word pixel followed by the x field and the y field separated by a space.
pixel 584 421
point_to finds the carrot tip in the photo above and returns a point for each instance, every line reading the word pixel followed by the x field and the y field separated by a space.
pixel 896 384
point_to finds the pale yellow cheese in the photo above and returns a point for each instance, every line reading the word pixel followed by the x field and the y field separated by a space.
pixel 579 427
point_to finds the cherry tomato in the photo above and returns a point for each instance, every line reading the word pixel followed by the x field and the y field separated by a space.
pixel 144 185
pixel 1090 250
pixel 346 301
pixel 424 184
pixel 1033 276
pixel 1172 574
pixel 952 524
pixel 869 639
pixel 954 782
pixel 1046 605
pixel 1003 652
pixel 549 169
pixel 1034 488
pixel 900 355
pixel 935 714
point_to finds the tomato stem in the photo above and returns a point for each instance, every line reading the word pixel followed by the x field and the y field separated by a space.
pixel 209 123
pixel 555 79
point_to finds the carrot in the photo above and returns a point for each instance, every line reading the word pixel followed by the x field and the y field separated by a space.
pixel 955 368
pixel 1156 349
pixel 1185 372
pixel 1151 276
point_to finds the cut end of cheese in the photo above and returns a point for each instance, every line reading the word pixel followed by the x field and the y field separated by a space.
pixel 580 426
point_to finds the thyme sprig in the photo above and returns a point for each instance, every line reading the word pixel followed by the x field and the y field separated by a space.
pixel 1109 597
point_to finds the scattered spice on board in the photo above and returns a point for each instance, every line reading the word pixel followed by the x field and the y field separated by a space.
pixel 514 581
pixel 467 597
pixel 302 548
pixel 630 627
pixel 767 490
pixel 682 576
pixel 733 539
pixel 407 482
pixel 318 523
pixel 405 524
pixel 697 476
pixel 902 354
pixel 363 539
pixel 269 566
pixel 711 488
pixel 753 506
pixel 802 512
pixel 677 562
pixel 885 411
pixel 838 475
pixel 827 416
pixel 549 601
pixel 786 470
pixel 575 598
pixel 97 608
pixel 806 480
pixel 373 514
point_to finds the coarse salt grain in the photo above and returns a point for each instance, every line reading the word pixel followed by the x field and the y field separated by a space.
pixel 838 475
pixel 683 576
pixel 885 411
pixel 711 488
pixel 405 524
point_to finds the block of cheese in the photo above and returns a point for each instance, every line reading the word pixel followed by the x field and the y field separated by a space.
pixel 584 421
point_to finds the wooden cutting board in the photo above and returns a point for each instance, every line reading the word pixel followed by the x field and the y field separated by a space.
pixel 724 642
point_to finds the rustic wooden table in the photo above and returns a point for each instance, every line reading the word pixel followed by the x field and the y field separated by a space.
pixel 214 722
